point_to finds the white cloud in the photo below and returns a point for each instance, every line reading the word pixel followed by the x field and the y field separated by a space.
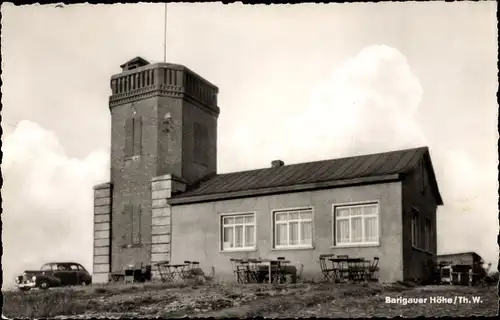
pixel 47 201
pixel 468 220
pixel 367 105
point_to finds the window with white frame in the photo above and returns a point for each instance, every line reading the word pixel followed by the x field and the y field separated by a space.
pixel 293 228
pixel 238 231
pixel 356 224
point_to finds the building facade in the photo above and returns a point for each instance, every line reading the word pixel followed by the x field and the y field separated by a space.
pixel 165 200
pixel 381 205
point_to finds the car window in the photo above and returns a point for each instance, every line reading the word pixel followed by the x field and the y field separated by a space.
pixel 73 267
pixel 61 267
pixel 46 267
pixel 82 268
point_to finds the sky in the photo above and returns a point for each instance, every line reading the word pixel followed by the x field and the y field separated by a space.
pixel 296 83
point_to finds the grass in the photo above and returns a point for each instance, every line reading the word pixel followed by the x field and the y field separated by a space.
pixel 221 300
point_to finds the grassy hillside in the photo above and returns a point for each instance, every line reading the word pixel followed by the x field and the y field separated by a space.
pixel 226 300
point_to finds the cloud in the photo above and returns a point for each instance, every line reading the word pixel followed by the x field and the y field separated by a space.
pixel 366 105
pixel 468 221
pixel 47 201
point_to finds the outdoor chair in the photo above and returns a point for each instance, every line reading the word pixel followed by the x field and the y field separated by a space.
pixel 160 266
pixel 276 274
pixel 281 270
pixel 254 271
pixel 245 269
pixel 357 270
pixel 343 267
pixel 299 275
pixel 237 270
pixel 325 271
pixel 372 269
pixel 192 270
pixel 287 272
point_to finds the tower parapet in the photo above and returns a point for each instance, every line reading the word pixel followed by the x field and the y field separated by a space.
pixel 140 79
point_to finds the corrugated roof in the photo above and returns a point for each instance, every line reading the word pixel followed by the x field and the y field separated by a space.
pixel 364 166
pixel 458 254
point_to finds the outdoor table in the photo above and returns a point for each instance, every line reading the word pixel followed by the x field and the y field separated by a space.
pixel 354 266
pixel 358 268
pixel 187 271
pixel 269 262
pixel 250 269
pixel 169 272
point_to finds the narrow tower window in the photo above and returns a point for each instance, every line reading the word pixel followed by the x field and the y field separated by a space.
pixel 200 143
pixel 133 137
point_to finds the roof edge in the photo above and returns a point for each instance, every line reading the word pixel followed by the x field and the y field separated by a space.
pixel 179 200
pixel 104 185
pixel 435 185
pixel 458 253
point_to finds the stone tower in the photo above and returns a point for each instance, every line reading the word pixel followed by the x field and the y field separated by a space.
pixel 163 137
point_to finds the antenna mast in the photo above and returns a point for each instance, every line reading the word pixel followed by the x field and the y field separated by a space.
pixel 165 37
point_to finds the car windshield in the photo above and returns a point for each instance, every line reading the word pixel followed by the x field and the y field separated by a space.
pixel 80 267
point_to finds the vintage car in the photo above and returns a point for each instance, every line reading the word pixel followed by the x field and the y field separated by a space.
pixel 54 274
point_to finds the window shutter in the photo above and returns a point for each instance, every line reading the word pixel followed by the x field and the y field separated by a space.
pixel 129 214
pixel 136 229
pixel 137 136
pixel 200 133
pixel 129 136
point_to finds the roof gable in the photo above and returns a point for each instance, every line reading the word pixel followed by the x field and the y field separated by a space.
pixel 371 168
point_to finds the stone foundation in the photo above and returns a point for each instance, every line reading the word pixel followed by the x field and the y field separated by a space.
pixel 102 233
pixel 162 188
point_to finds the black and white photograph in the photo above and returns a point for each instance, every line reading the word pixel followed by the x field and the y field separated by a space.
pixel 325 160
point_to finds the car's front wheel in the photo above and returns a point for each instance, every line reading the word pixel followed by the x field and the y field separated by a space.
pixel 44 285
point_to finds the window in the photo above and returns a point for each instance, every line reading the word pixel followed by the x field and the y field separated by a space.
pixel 356 224
pixel 200 133
pixel 414 228
pixel 46 267
pixel 136 225
pixel 293 228
pixel 421 231
pixel 238 232
pixel 428 235
pixel 133 137
pixel 133 215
